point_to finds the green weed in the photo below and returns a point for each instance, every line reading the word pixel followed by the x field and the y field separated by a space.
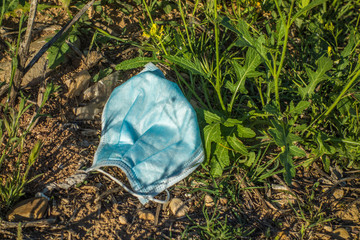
pixel 253 82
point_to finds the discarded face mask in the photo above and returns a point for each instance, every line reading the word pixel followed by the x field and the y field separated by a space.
pixel 150 131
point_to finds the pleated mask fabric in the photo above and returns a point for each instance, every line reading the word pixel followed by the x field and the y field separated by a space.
pixel 150 131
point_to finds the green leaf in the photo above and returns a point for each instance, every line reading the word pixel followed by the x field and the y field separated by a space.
pixel 220 160
pixel 216 169
pixel 212 133
pixel 282 135
pixel 34 154
pixel 56 54
pixel 323 147
pixel 349 47
pixel 297 152
pixel 279 134
pixel 252 61
pixel 101 74
pixel 211 117
pixel 231 122
pixel 272 109
pixel 326 163
pixel 241 76
pixel 324 65
pixel 135 63
pixel 287 162
pixel 300 107
pixel 307 8
pixel 244 132
pixel 241 30
pixel 237 145
pixel 251 159
pixel 194 68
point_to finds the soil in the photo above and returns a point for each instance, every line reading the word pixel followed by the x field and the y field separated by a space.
pixel 95 209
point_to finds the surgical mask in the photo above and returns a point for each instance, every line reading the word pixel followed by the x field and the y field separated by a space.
pixel 149 131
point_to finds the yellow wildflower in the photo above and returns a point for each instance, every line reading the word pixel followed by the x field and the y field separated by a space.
pixel 329 26
pixel 329 51
pixel 161 32
pixel 153 30
pixel 146 35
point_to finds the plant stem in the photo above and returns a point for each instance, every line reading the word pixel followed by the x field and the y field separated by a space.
pixel 345 89
pixel 148 12
pixel 283 53
pixel 185 25
pixel 2 12
pixel 218 80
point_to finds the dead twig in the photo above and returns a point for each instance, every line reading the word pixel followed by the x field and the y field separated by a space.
pixel 338 182
pixel 108 192
pixel 77 51
pixel 288 189
pixel 57 36
pixel 37 223
pixel 23 53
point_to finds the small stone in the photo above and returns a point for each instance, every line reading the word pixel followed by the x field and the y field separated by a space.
pixel 80 83
pixel 223 201
pixel 29 209
pixel 282 236
pixel 209 201
pixel 123 220
pixel 146 215
pixel 342 232
pixel 328 228
pixel 87 112
pixel 350 214
pixel 188 195
pixel 101 91
pixel 178 207
pixel 338 193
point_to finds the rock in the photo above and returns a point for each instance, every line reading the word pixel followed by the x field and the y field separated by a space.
pixel 5 71
pixel 223 201
pixel 209 201
pixel 178 207
pixel 123 220
pixel 87 112
pixel 284 199
pixel 146 215
pixel 342 232
pixel 328 229
pixel 338 193
pixel 351 214
pixel 101 90
pixel 80 83
pixel 92 58
pixel 282 236
pixel 29 209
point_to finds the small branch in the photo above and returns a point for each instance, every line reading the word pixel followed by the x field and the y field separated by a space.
pixel 23 52
pixel 37 223
pixel 57 36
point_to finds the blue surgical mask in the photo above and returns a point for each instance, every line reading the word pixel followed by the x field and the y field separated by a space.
pixel 149 131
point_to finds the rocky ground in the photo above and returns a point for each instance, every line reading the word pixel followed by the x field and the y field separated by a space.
pixel 323 205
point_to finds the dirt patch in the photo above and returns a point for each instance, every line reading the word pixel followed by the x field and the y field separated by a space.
pixel 99 209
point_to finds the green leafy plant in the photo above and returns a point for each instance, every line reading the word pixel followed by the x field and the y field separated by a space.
pixel 214 228
pixel 258 79
pixel 57 52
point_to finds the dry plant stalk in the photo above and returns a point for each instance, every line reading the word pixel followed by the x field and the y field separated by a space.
pixel 23 53
pixel 24 48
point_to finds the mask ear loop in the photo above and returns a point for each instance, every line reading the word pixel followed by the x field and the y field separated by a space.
pixel 132 192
